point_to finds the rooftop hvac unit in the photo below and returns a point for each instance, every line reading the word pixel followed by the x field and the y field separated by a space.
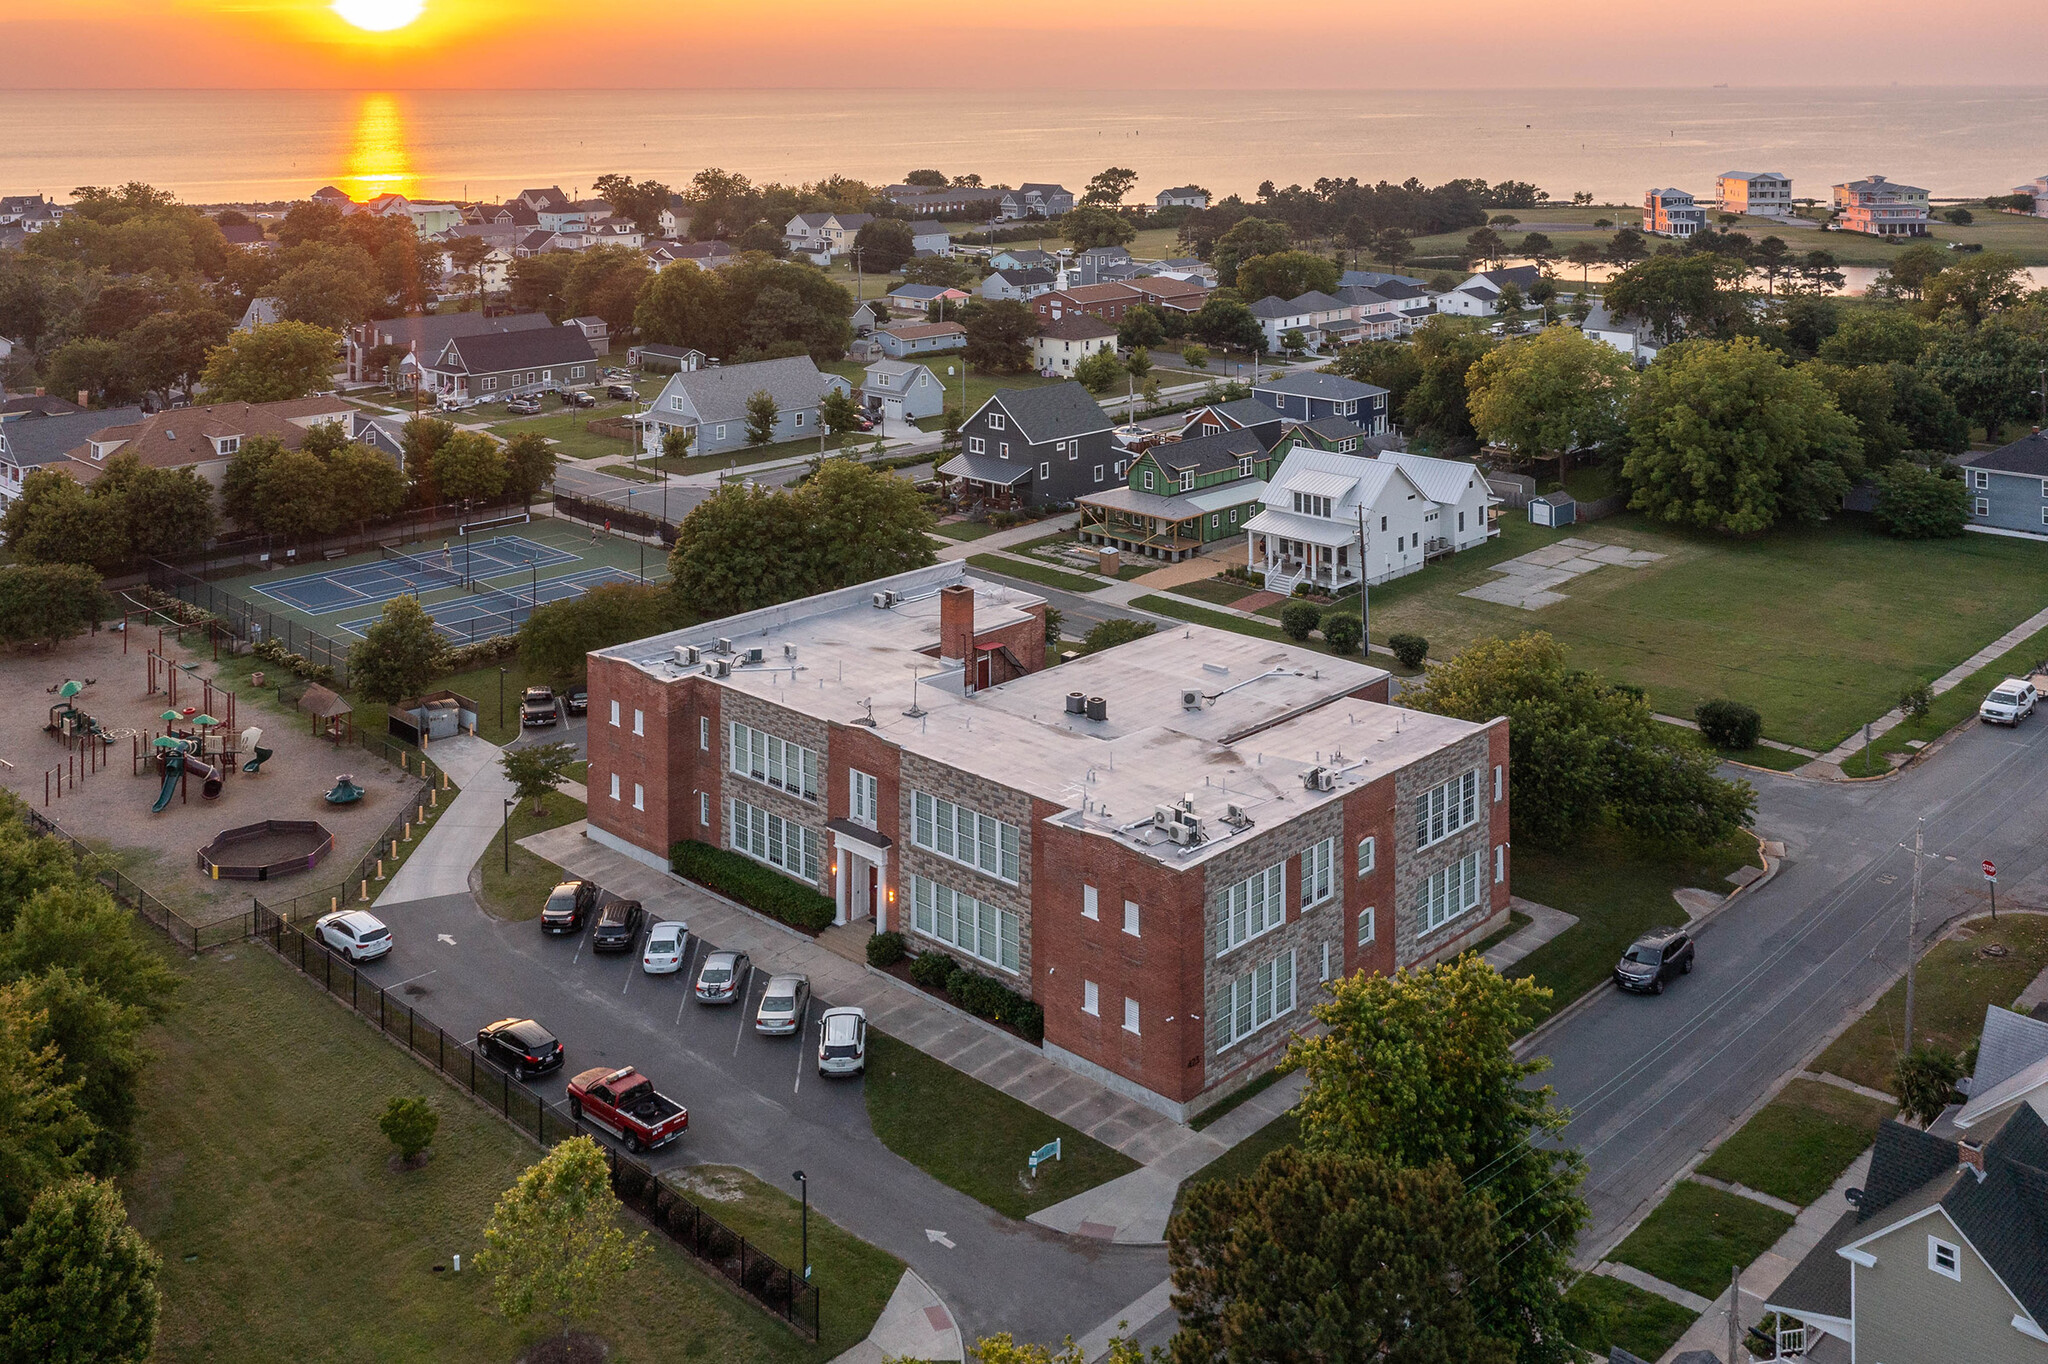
pixel 753 655
pixel 1319 779
pixel 1233 813
pixel 1077 703
pixel 789 651
pixel 1191 698
pixel 719 668
pixel 884 600
pixel 1164 817
pixel 687 654
pixel 1098 709
pixel 1183 834
pixel 725 646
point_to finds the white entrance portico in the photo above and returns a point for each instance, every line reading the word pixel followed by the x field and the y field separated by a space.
pixel 860 873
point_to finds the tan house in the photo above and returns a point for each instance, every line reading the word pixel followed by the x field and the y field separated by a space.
pixel 202 438
pixel 1881 208
pixel 1763 193
pixel 1061 345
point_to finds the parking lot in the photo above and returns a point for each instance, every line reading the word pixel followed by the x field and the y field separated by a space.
pixel 754 1101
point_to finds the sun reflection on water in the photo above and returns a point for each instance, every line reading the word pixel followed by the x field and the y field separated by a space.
pixel 379 161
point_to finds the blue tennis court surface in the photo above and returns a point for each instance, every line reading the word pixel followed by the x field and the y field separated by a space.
pixel 490 611
pixel 321 594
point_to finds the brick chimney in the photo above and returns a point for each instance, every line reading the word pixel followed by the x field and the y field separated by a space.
pixel 1971 1154
pixel 956 623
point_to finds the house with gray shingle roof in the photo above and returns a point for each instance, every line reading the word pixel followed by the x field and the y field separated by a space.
pixel 1035 447
pixel 501 364
pixel 711 404
pixel 2009 487
pixel 1308 394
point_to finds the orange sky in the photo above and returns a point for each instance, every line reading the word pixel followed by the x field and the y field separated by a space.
pixel 1318 44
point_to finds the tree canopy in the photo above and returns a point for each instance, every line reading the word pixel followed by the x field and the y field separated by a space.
pixel 999 335
pixel 1088 227
pixel 1548 395
pixel 554 1246
pixel 398 654
pixel 77 1283
pixel 558 636
pixel 271 363
pixel 1286 274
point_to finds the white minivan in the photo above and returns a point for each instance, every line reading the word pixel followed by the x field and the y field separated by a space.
pixel 2010 702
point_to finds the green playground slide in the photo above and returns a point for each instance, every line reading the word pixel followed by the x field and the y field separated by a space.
pixel 174 768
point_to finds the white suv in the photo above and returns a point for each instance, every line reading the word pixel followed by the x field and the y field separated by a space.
pixel 2010 702
pixel 842 1042
pixel 357 935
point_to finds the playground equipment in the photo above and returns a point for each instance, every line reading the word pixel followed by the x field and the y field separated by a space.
pixel 257 852
pixel 252 740
pixel 174 772
pixel 345 791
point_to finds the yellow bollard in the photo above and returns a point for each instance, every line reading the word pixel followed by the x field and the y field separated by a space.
pixel 444 781
pixel 408 831
pixel 333 903
pixel 380 869
pixel 420 814
pixel 366 890
pixel 394 848
pixel 433 796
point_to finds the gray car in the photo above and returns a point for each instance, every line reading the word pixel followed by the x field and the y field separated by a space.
pixel 782 1005
pixel 718 979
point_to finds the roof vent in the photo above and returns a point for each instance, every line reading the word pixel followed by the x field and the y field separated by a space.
pixel 1077 703
pixel 1098 709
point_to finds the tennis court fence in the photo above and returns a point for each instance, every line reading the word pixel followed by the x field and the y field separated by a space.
pixel 249 622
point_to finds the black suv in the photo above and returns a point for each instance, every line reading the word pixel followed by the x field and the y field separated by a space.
pixel 623 392
pixel 1653 959
pixel 618 926
pixel 576 700
pixel 567 905
pixel 520 1045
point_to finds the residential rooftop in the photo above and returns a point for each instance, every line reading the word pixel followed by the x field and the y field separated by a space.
pixel 1264 713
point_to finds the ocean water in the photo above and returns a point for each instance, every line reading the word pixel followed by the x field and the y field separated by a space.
pixel 222 146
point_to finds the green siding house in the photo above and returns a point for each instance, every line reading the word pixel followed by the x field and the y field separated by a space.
pixel 1181 496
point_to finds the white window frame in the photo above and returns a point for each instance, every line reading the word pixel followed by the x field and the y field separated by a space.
pixel 1254 906
pixel 639 721
pixel 1368 855
pixel 1450 892
pixel 1499 782
pixel 639 796
pixel 1980 480
pixel 774 761
pixel 1447 809
pixel 719 432
pixel 615 786
pixel 799 418
pixel 768 838
pixel 1091 904
pixel 941 826
pixel 1500 863
pixel 997 422
pixel 1098 478
pixel 1131 916
pixel 615 715
pixel 704 808
pixel 1318 872
pixel 1368 926
pixel 976 445
pixel 704 733
pixel 1044 470
pixel 1258 999
pixel 984 931
pixel 1982 507
pixel 863 797
pixel 1936 1248
pixel 1131 1016
pixel 1091 999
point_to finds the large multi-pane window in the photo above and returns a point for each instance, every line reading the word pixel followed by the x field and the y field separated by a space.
pixel 1441 812
pixel 979 929
pixel 777 762
pixel 1318 872
pixel 772 839
pixel 1255 905
pixel 1455 890
pixel 1258 997
pixel 953 830
pixel 864 797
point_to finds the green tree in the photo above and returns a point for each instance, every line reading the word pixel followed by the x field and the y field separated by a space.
pixel 1680 296
pixel 75 926
pixel 77 1283
pixel 56 520
pixel 1418 1070
pixel 1226 322
pixel 43 1132
pixel 295 496
pixel 98 1044
pixel 47 604
pixel 716 567
pixel 1925 1081
pixel 1342 631
pixel 1910 271
pixel 1584 754
pixel 409 1122
pixel 607 281
pixel 762 414
pixel 1509 299
pixel 1390 246
pixel 1925 413
pixel 241 484
pixel 861 523
pixel 1331 1257
pixel 1109 187
pixel 1549 395
pixel 1975 287
pixel 1141 327
pixel 1724 437
pixel 1626 246
pixel 884 244
pixel 1114 631
pixel 676 443
pixel 1991 372
pixel 529 465
pixel 684 307
pixel 943 271
pixel 270 364
pixel 641 201
pixel 1138 363
pixel 554 1247
pixel 368 484
pixel 1876 336
pixel 999 336
pixel 1298 620
pixel 398 655
pixel 839 414
pixel 1194 356
pixel 1918 503
pixel 467 255
pixel 542 282
pixel 558 636
pixel 94 367
pixel 1864 395
pixel 1285 274
pixel 159 511
pixel 1246 238
pixel 1435 408
pixel 168 350
pixel 332 291
pixel 538 770
pixel 1099 372
pixel 1089 227
pixel 1483 245
pixel 470 467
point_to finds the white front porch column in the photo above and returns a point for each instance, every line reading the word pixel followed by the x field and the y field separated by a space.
pixel 839 871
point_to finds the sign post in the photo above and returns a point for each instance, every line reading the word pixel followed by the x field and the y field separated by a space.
pixel 1049 1151
pixel 1991 875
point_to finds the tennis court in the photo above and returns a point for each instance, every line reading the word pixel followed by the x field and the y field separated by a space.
pixel 397 574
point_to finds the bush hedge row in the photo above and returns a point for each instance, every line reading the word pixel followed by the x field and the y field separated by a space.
pixel 983 996
pixel 753 885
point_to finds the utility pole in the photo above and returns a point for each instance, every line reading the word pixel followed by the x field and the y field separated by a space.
pixel 1734 1314
pixel 1364 588
pixel 1913 930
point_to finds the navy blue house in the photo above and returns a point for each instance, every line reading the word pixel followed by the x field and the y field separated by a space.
pixel 1309 395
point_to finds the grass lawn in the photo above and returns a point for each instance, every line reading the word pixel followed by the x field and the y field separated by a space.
pixel 1217 591
pixel 1951 708
pixel 1619 893
pixel 1621 1314
pixel 284 1232
pixel 1035 573
pixel 1243 1158
pixel 1799 1143
pixel 803 446
pixel 1954 983
pixel 1820 628
pixel 854 1278
pixel 481 686
pixel 980 1148
pixel 519 894
pixel 1517 921
pixel 567 430
pixel 963 530
pixel 1244 1095
pixel 1697 1234
pixel 1776 759
pixel 946 368
pixel 637 473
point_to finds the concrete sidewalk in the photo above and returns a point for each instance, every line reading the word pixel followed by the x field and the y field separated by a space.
pixel 914 1325
pixel 1947 682
pixel 1015 535
pixel 930 1024
pixel 440 864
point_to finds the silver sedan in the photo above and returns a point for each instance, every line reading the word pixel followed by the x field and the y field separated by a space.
pixel 782 1005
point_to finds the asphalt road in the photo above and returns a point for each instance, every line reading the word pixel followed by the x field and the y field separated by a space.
pixel 1652 1080
pixel 756 1102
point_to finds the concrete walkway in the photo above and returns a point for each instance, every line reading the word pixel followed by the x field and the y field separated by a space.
pixel 1015 535
pixel 914 1325
pixel 440 864
pixel 1947 682
pixel 924 1021
pixel 1544 924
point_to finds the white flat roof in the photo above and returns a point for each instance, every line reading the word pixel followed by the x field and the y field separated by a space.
pixel 1266 712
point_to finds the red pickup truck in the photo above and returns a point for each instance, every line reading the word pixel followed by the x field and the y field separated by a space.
pixel 625 1104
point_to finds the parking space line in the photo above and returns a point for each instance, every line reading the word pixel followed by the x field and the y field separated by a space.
pixel 746 984
pixel 683 971
pixel 410 979
pixel 803 1025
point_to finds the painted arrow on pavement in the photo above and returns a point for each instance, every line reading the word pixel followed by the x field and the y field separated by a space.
pixel 446 938
pixel 940 1237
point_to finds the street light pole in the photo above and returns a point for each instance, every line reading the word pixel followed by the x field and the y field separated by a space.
pixel 1913 930
pixel 508 834
pixel 805 1185
pixel 501 698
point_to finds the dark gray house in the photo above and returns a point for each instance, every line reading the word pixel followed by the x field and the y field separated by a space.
pixel 501 364
pixel 1036 447
pixel 424 337
pixel 2009 486
pixel 1306 396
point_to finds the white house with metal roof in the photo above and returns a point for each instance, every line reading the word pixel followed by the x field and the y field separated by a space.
pixel 1325 514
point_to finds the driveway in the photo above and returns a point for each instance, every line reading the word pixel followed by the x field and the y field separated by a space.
pixel 757 1102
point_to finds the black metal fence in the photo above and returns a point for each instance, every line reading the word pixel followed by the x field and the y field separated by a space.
pixel 175 926
pixel 618 518
pixel 249 622
pixel 763 1278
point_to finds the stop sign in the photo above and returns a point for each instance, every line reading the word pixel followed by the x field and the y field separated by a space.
pixel 1990 869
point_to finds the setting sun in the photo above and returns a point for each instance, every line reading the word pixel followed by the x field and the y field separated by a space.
pixel 379 16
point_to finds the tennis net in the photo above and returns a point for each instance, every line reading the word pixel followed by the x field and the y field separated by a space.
pixel 421 565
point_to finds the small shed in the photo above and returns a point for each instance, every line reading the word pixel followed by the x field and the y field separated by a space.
pixel 666 359
pixel 1553 509
pixel 437 715
pixel 333 717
